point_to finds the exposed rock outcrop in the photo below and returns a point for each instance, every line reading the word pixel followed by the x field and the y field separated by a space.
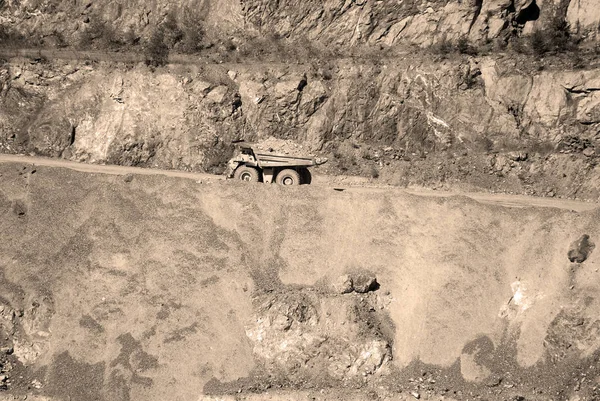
pixel 337 23
pixel 379 114
pixel 329 338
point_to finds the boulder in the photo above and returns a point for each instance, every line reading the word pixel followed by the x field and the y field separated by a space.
pixel 364 282
pixel 359 282
pixel 343 285
pixel 580 249
pixel 50 136
pixel 589 152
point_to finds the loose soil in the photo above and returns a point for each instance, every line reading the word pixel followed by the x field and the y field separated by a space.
pixel 124 284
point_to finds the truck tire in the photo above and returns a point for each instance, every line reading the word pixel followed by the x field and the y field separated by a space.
pixel 288 177
pixel 305 176
pixel 246 173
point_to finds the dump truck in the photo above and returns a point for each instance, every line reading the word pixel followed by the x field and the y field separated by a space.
pixel 249 165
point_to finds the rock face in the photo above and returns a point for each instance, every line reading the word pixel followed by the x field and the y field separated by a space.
pixel 367 118
pixel 99 113
pixel 69 21
pixel 584 16
pixel 340 23
pixel 343 22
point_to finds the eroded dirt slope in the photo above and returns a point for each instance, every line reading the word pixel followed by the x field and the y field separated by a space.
pixel 152 288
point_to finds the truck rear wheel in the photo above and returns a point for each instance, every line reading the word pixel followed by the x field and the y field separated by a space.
pixel 305 176
pixel 288 177
pixel 246 173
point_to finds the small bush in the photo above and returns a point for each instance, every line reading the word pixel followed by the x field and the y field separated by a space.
pixel 344 162
pixel 464 47
pixel 483 144
pixel 578 61
pixel 193 32
pixel 443 47
pixel 185 36
pixel 518 45
pixel 559 35
pixel 541 147
pixel 156 50
pixel 555 37
pixel 446 46
pixel 60 39
pixel 98 33
pixel 229 45
pixel 538 43
pixel 9 38
pixel 499 44
pixel 130 37
pixel 470 80
pixel 171 32
pixel 85 39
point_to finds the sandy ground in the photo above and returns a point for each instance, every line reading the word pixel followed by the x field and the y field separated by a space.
pixel 145 285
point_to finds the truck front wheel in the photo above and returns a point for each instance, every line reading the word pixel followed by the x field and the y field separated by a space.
pixel 246 173
pixel 288 177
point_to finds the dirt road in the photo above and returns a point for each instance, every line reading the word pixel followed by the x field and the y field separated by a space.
pixel 104 169
pixel 498 199
pixel 98 56
pixel 129 56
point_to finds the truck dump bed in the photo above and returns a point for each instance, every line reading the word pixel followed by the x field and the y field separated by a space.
pixel 274 160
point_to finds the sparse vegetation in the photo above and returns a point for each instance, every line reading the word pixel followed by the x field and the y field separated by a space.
pixel 464 47
pixel 130 37
pixel 374 173
pixel 157 50
pixel 560 35
pixel 518 45
pixel 483 144
pixel 578 62
pixel 170 35
pixel 60 39
pixel 9 38
pixel 538 42
pixel 98 33
pixel 193 32
pixel 446 46
pixel 541 147
pixel 443 47
pixel 344 161
pixel 470 79
pixel 554 38
pixel 276 47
